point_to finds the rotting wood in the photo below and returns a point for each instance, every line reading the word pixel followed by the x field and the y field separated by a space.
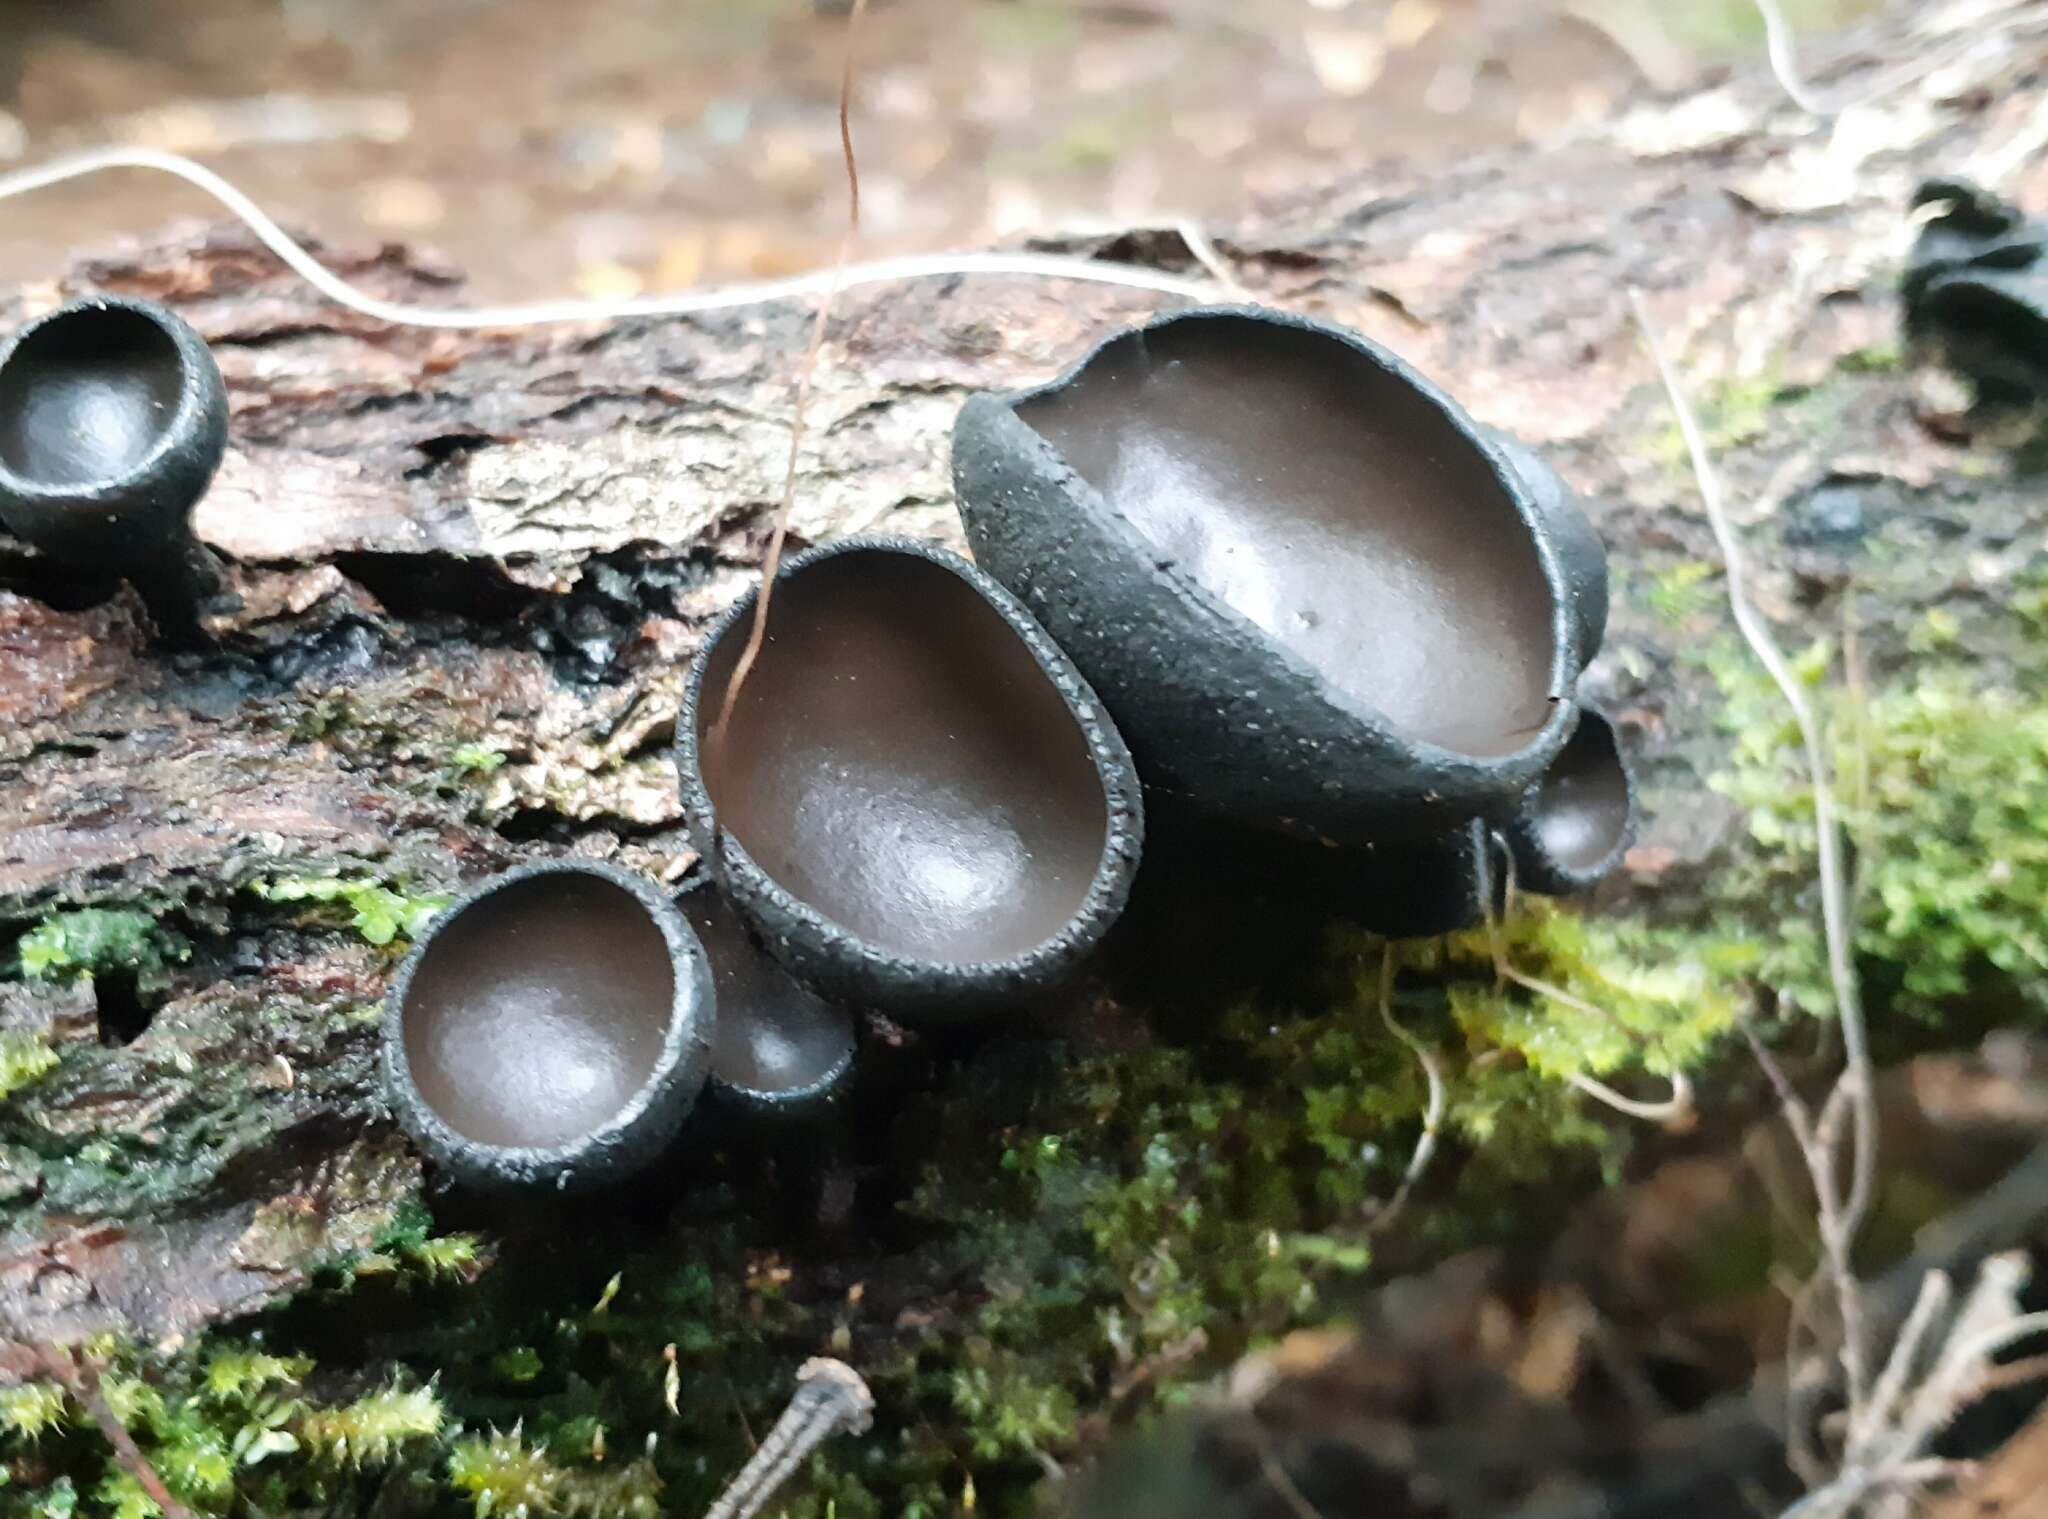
pixel 505 544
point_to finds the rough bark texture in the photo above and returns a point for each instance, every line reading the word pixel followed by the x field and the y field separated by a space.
pixel 455 546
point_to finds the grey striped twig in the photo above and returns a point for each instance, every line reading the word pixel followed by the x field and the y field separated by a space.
pixel 831 1399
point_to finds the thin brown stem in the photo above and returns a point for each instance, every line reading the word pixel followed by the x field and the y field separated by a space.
pixel 78 1378
pixel 771 564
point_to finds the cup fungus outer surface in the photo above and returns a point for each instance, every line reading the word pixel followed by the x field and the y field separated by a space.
pixel 583 989
pixel 113 420
pixel 932 635
pixel 1423 889
pixel 1229 713
pixel 1577 822
pixel 782 1054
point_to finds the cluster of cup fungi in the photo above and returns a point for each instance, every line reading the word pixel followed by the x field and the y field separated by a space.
pixel 1242 569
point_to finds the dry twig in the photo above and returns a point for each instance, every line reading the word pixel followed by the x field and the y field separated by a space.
pixel 77 1376
pixel 830 1399
pixel 1889 1436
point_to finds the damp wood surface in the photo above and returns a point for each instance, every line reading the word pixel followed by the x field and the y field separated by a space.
pixel 473 567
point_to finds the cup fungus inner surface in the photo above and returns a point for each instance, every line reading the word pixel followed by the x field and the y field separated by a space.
pixel 537 1013
pixel 1582 801
pixel 773 1035
pixel 899 762
pixel 87 397
pixel 1332 505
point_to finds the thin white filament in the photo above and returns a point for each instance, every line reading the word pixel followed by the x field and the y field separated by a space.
pixel 1782 49
pixel 544 313
pixel 1783 52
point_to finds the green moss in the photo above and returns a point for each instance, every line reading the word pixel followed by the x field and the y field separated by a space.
pixel 1879 358
pixel 1678 594
pixel 1731 411
pixel 120 1495
pixel 520 1364
pixel 1640 996
pixel 504 1477
pixel 25 1058
pixel 372 1430
pixel 100 941
pixel 1009 1411
pixel 55 1500
pixel 374 909
pixel 1942 780
pixel 475 759
pixel 1131 1215
pixel 239 1375
pixel 31 1411
pixel 449 1258
pixel 1165 1200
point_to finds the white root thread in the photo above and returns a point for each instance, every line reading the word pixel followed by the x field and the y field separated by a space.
pixel 1782 50
pixel 1840 1218
pixel 544 313
pixel 1433 1114
pixel 1673 1112
pixel 1676 1111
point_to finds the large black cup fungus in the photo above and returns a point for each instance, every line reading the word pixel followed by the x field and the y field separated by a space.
pixel 1580 553
pixel 1976 288
pixel 1422 889
pixel 1576 823
pixel 113 419
pixel 782 1053
pixel 1313 592
pixel 550 1029
pixel 918 803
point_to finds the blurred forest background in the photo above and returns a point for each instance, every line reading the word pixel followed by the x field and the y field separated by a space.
pixel 612 146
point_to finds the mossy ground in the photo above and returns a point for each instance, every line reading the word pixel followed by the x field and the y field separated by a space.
pixel 1126 1204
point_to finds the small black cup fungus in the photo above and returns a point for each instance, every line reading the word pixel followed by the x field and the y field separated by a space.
pixel 1576 823
pixel 782 1052
pixel 1976 288
pixel 113 419
pixel 550 1029
pixel 1315 594
pixel 917 803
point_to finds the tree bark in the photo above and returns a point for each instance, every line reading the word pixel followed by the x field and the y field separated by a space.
pixel 452 546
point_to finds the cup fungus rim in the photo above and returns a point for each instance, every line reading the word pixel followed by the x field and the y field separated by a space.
pixel 673 1083
pixel 1544 742
pixel 1536 868
pixel 790 1100
pixel 200 394
pixel 749 887
pixel 776 1101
